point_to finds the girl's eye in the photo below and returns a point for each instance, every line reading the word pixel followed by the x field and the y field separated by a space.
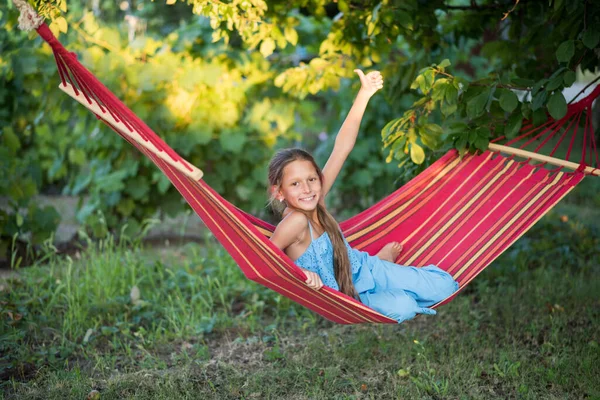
pixel 313 179
pixel 295 184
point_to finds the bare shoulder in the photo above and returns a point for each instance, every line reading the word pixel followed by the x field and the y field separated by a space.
pixel 294 222
pixel 290 230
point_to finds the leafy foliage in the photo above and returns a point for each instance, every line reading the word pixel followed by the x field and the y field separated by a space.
pixel 461 65
pixel 215 105
pixel 29 156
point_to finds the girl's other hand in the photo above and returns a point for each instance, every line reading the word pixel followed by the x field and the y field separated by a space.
pixel 371 82
pixel 313 280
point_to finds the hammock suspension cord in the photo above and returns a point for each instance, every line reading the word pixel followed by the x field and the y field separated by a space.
pixel 460 213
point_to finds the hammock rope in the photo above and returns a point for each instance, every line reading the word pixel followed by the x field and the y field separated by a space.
pixel 459 214
pixel 571 122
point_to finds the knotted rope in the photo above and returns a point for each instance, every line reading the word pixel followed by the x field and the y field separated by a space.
pixel 29 19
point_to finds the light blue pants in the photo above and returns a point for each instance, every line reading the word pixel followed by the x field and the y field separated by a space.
pixel 402 292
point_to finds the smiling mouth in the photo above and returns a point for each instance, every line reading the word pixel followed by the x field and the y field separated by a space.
pixel 308 198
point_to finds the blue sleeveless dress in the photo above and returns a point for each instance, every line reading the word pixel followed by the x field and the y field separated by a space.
pixel 396 291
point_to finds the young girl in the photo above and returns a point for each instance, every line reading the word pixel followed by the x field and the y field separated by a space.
pixel 309 235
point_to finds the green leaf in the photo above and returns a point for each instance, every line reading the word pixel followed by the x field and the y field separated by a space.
pixel 445 63
pixel 424 81
pixel 376 11
pixel 111 36
pixel 19 220
pixel 54 29
pixel 476 106
pixel 278 36
pixel 28 187
pixel 539 100
pixel 138 188
pixel 362 178
pixel 523 82
pixel 538 86
pixel 591 38
pixel 243 191
pixel 539 117
pixel 280 79
pixel 439 89
pixel 77 156
pixel 319 63
pixel 232 141
pixel 429 76
pixel 370 28
pixel 565 51
pixel 458 128
pixel 402 373
pixel 430 135
pixel 55 170
pixel 448 109
pixel 172 204
pixel 11 141
pixel 508 100
pixel 451 94
pixel 554 83
pixel 132 227
pixel 86 210
pixel 266 47
pixel 417 82
pixel 569 78
pixel 417 154
pixel 199 131
pixel 81 182
pixel 557 106
pixel 421 102
pixel 483 132
pixel 481 143
pixel 291 35
pixel 61 22
pixel 433 129
pixel 472 136
pixel 43 220
pixel 461 141
pixel 514 125
pixel 387 129
pixel 126 207
pixel 526 110
pixel 112 182
pixel 499 130
pixel 343 6
pixel 404 19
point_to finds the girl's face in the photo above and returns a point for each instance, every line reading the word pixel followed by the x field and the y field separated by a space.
pixel 300 186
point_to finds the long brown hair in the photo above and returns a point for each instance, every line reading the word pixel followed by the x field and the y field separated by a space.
pixel 341 262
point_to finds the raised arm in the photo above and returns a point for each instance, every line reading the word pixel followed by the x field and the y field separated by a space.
pixel 346 137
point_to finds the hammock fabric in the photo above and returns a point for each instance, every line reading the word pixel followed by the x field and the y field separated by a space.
pixel 459 214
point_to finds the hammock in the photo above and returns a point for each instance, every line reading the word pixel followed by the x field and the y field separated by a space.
pixel 459 214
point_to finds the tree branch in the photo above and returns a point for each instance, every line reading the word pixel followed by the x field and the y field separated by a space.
pixel 506 14
pixel 89 38
pixel 475 6
pixel 584 89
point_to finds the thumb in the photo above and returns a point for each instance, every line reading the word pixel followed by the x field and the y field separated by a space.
pixel 360 74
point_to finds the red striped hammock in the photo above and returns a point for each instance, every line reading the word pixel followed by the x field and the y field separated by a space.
pixel 459 214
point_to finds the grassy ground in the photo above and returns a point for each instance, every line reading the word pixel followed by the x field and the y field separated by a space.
pixel 130 322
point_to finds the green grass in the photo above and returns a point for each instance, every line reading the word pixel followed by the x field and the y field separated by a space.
pixel 527 327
